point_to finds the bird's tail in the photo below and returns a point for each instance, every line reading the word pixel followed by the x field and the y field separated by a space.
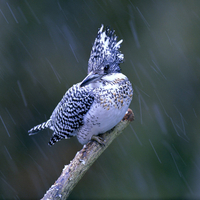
pixel 40 127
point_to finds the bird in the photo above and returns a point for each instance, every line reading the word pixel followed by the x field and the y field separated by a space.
pixel 97 103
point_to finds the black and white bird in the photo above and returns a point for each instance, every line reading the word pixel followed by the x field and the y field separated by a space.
pixel 99 102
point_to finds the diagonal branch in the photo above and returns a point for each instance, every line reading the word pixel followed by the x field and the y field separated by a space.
pixel 82 161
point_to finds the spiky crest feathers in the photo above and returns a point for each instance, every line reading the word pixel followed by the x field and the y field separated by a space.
pixel 105 50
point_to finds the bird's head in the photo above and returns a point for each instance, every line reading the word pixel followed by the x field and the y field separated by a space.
pixel 105 56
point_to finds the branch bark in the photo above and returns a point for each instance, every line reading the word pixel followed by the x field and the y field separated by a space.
pixel 82 161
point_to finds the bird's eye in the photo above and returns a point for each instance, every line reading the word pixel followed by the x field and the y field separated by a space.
pixel 106 68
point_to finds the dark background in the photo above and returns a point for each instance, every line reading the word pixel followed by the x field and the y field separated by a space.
pixel 44 49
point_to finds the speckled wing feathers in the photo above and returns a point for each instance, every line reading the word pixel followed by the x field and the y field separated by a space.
pixel 100 103
pixel 68 115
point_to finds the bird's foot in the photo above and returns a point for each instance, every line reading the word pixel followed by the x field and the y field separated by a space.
pixel 98 139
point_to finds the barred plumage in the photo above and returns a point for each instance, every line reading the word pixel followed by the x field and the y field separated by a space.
pixel 67 117
pixel 99 102
pixel 40 127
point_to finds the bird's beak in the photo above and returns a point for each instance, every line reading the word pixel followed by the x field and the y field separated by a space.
pixel 91 77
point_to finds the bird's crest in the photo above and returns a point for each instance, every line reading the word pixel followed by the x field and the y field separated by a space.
pixel 105 49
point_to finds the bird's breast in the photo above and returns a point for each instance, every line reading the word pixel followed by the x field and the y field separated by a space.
pixel 111 101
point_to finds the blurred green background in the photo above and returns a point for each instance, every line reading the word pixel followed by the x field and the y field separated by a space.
pixel 44 49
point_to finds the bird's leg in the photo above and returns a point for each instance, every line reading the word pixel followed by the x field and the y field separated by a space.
pixel 98 139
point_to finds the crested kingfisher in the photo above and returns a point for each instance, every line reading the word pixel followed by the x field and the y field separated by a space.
pixel 99 102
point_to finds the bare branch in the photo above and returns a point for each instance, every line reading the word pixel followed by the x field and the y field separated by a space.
pixel 82 161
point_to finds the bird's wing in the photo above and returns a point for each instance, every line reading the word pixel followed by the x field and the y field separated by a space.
pixel 69 113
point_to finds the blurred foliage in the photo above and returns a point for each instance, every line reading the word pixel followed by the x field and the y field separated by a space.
pixel 44 49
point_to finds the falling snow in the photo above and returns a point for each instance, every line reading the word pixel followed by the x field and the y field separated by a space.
pixel 44 50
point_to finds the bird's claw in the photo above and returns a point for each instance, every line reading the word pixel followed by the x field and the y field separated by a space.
pixel 98 139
